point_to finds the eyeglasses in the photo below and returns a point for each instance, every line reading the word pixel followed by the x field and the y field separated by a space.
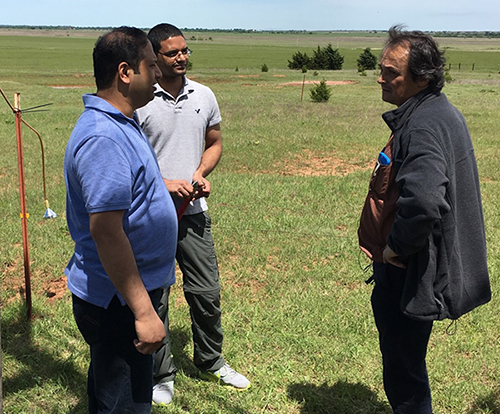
pixel 172 54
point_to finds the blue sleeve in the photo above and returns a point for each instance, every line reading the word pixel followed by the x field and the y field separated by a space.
pixel 105 175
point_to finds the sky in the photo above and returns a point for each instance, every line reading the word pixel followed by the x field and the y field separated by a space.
pixel 426 15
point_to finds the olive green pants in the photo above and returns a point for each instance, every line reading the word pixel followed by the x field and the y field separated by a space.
pixel 200 275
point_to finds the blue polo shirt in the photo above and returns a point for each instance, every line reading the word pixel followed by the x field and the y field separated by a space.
pixel 109 165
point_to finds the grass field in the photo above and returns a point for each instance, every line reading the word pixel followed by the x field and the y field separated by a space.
pixel 285 208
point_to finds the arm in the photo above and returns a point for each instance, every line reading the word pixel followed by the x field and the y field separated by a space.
pixel 209 159
pixel 117 258
pixel 422 181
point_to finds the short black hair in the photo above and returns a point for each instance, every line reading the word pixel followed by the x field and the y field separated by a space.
pixel 161 32
pixel 425 60
pixel 123 44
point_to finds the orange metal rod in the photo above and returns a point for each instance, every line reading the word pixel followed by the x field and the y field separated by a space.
pixel 22 195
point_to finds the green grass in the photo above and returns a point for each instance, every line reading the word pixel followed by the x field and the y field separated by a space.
pixel 67 60
pixel 285 207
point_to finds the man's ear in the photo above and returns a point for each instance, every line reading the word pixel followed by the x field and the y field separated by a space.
pixel 123 72
pixel 423 83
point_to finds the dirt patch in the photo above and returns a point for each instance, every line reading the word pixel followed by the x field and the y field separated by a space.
pixel 254 289
pixel 344 82
pixel 13 283
pixel 313 164
pixel 55 288
pixel 13 280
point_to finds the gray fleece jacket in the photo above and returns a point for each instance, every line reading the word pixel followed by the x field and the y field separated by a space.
pixel 439 224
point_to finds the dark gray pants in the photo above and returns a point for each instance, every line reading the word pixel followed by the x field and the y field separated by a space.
pixel 198 263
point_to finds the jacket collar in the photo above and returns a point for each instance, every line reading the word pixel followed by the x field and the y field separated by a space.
pixel 396 118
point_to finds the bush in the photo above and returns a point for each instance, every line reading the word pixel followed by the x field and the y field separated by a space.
pixel 319 60
pixel 333 57
pixel 367 60
pixel 299 61
pixel 325 58
pixel 264 68
pixel 447 76
pixel 321 92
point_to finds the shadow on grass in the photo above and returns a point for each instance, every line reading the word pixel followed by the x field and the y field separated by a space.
pixel 341 398
pixel 37 366
pixel 179 338
pixel 487 404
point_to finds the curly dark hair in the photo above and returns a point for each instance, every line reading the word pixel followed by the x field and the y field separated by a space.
pixel 123 44
pixel 425 60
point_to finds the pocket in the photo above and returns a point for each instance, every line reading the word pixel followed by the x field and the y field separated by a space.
pixel 380 179
pixel 389 277
pixel 88 318
pixel 208 222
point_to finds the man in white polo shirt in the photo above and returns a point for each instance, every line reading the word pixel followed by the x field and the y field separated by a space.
pixel 183 125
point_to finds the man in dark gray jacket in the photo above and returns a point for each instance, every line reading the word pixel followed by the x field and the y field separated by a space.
pixel 422 223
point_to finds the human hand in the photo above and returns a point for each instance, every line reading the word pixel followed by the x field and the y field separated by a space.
pixel 179 188
pixel 204 186
pixel 390 257
pixel 150 333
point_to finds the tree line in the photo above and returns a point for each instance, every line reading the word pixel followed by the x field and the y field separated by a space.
pixel 328 58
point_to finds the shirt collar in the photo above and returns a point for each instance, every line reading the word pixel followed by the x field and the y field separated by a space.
pixel 186 88
pixel 92 101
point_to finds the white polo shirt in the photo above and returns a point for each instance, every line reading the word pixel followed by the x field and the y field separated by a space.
pixel 177 128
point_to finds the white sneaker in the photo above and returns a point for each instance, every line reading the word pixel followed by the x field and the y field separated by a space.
pixel 163 392
pixel 227 376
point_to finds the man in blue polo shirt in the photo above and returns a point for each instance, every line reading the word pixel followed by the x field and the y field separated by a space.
pixel 117 209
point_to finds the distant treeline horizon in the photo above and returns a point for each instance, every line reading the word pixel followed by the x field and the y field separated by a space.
pixel 441 33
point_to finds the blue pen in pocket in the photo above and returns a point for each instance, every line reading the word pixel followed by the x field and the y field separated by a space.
pixel 382 159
